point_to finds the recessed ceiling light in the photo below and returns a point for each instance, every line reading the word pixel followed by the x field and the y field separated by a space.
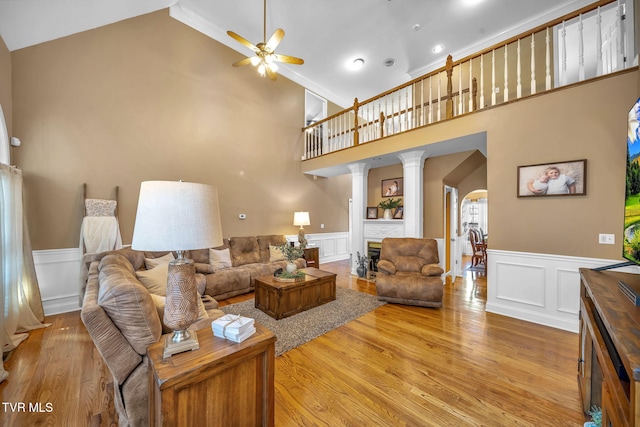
pixel 358 63
pixel 416 27
pixel 437 48
pixel 389 62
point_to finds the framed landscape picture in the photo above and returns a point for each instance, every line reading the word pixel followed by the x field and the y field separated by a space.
pixel 567 178
pixel 372 212
pixel 392 187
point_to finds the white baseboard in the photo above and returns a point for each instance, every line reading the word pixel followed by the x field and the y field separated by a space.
pixel 538 288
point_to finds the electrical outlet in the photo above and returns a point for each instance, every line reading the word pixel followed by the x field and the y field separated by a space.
pixel 607 239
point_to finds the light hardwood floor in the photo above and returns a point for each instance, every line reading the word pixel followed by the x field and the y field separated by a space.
pixel 397 365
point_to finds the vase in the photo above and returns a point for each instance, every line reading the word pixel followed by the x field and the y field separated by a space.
pixel 291 267
pixel 361 271
pixel 387 214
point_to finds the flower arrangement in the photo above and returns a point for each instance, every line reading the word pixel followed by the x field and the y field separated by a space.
pixel 291 253
pixel 390 203
pixel 361 260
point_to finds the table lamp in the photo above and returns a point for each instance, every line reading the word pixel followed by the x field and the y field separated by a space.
pixel 178 216
pixel 301 219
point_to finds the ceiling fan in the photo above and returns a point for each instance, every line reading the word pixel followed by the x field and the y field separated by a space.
pixel 266 57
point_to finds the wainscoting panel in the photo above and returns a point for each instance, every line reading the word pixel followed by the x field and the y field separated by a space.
pixel 59 277
pixel 539 288
pixel 528 288
pixel 331 246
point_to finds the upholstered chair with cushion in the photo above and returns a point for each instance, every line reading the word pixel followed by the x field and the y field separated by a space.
pixel 409 273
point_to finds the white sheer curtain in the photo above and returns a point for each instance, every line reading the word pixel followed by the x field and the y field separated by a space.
pixel 20 299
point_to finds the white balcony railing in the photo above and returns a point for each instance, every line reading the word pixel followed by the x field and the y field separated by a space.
pixel 586 44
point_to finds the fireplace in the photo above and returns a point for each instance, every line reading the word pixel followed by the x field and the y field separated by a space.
pixel 373 253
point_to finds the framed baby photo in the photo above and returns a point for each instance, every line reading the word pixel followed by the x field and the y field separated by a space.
pixel 567 178
pixel 372 212
pixel 392 187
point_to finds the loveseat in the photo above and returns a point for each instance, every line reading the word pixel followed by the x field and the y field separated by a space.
pixel 123 317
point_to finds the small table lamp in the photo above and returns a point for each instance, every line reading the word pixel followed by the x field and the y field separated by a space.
pixel 301 219
pixel 178 216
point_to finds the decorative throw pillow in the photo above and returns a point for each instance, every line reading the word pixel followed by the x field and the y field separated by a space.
pixel 99 207
pixel 155 279
pixel 275 254
pixel 154 262
pixel 220 259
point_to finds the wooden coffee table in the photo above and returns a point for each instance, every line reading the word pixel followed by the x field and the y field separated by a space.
pixel 284 299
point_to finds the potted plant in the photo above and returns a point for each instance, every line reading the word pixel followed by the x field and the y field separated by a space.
pixel 291 253
pixel 389 204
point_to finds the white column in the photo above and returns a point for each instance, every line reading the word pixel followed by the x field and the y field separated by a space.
pixel 359 173
pixel 413 166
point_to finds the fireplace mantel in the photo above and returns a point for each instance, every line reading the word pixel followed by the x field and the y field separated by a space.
pixel 378 229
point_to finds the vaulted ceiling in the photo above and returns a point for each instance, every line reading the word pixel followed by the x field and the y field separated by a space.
pixel 329 34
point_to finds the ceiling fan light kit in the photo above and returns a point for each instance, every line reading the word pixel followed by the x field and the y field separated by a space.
pixel 266 57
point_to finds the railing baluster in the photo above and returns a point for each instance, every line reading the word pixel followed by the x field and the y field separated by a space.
pixel 482 105
pixel 460 108
pixel 430 99
pixel 533 64
pixel 470 85
pixel 563 53
pixel 620 65
pixel 505 96
pixel 580 49
pixel 598 43
pixel 548 61
pixel 439 98
pixel 518 73
pixel 493 77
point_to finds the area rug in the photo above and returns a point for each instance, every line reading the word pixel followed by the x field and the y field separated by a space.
pixel 303 327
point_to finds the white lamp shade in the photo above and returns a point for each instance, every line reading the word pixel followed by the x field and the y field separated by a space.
pixel 301 218
pixel 177 216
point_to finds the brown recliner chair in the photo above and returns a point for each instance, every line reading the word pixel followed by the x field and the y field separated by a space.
pixel 409 273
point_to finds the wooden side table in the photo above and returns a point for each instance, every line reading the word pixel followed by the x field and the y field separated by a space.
pixel 312 256
pixel 222 383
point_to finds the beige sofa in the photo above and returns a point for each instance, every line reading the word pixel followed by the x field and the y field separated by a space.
pixel 250 257
pixel 123 318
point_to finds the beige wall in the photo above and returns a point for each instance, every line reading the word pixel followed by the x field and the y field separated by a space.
pixel 152 99
pixel 582 122
pixel 5 85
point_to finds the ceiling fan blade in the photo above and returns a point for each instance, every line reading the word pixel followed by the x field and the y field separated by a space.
pixel 242 62
pixel 244 41
pixel 270 73
pixel 288 59
pixel 275 39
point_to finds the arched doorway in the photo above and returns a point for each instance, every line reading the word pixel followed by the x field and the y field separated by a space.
pixel 473 215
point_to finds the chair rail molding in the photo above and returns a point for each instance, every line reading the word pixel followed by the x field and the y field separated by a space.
pixel 538 288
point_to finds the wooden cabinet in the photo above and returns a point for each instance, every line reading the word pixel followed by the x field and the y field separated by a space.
pixel 222 383
pixel 312 256
pixel 609 349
